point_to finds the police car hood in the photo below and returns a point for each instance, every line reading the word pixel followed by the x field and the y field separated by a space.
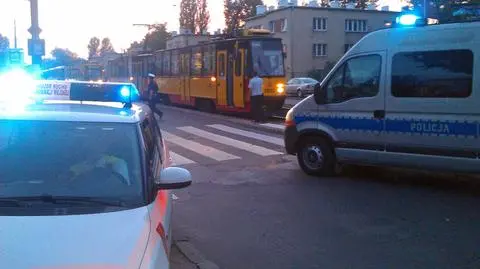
pixel 105 240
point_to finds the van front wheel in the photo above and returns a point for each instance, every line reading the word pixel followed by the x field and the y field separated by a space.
pixel 315 157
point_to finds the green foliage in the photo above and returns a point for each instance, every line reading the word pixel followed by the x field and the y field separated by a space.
pixel 93 46
pixel 236 11
pixel 106 47
pixel 320 74
pixel 63 57
pixel 188 13
pixel 202 18
pixel 4 42
pixel 156 38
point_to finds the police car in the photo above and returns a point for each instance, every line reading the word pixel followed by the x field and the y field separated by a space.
pixel 85 180
pixel 404 96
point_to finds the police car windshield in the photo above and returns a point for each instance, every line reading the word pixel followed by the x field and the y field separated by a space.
pixel 70 159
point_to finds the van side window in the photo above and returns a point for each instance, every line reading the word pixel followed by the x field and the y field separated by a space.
pixel 356 78
pixel 432 74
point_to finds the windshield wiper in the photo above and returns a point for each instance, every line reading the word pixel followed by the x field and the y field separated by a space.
pixel 19 200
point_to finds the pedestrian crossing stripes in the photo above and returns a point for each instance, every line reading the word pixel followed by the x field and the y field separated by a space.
pixel 274 126
pixel 178 160
pixel 257 136
pixel 196 140
pixel 206 151
pixel 229 141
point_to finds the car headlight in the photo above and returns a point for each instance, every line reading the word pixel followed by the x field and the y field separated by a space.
pixel 280 88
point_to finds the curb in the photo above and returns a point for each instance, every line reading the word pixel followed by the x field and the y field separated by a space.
pixel 267 127
pixel 193 255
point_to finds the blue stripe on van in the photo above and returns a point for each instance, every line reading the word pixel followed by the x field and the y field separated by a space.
pixel 395 125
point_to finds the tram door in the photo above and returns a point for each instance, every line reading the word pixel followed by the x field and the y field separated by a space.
pixel 185 77
pixel 239 94
pixel 221 77
pixel 230 78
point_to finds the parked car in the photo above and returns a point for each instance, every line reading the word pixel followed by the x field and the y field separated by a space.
pixel 301 86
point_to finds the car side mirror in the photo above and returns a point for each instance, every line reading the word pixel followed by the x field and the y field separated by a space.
pixel 173 178
pixel 319 94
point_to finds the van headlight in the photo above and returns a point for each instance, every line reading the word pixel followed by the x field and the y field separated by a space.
pixel 280 88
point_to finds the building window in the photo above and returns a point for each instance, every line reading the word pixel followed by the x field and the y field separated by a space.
pixel 319 50
pixel 432 74
pixel 356 78
pixel 358 26
pixel 319 24
pixel 278 26
pixel 348 47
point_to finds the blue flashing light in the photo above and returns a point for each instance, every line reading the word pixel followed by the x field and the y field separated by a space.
pixel 103 92
pixel 407 19
pixel 125 92
pixel 17 88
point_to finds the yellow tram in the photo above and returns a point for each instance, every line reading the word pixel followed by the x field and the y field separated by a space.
pixel 214 75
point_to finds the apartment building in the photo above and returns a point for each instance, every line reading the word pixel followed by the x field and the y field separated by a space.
pixel 315 37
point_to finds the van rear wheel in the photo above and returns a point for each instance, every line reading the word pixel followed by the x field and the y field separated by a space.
pixel 315 156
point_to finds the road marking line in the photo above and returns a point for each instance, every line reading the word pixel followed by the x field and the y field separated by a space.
pixel 229 141
pixel 273 125
pixel 257 136
pixel 206 151
pixel 178 159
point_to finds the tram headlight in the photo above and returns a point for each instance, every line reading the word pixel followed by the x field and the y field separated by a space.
pixel 280 88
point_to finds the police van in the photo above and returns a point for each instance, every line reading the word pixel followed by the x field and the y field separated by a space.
pixel 403 96
pixel 85 177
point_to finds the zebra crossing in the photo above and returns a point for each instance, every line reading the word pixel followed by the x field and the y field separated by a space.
pixel 219 143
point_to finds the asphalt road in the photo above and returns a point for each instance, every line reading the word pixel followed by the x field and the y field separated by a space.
pixel 245 210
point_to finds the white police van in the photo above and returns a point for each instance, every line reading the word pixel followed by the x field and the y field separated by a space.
pixel 406 97
pixel 85 180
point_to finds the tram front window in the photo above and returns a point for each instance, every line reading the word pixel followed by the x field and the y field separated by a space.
pixel 267 56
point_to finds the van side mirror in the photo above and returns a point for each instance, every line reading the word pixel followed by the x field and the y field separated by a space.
pixel 319 94
pixel 173 178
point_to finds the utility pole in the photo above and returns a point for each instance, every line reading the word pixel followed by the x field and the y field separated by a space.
pixel 36 46
pixel 15 32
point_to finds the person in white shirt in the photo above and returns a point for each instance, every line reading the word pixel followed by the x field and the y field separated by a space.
pixel 256 101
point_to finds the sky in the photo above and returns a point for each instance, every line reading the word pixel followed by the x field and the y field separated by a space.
pixel 71 23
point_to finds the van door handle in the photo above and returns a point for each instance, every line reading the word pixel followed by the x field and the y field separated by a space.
pixel 379 114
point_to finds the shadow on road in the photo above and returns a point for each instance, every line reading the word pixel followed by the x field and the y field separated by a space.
pixel 461 183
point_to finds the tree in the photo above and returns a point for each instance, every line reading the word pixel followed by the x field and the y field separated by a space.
pixel 441 9
pixel 65 56
pixel 236 11
pixel 4 42
pixel 188 12
pixel 106 46
pixel 250 7
pixel 361 4
pixel 156 38
pixel 324 3
pixel 202 18
pixel 93 47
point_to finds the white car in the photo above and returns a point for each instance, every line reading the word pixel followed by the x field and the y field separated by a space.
pixel 84 184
